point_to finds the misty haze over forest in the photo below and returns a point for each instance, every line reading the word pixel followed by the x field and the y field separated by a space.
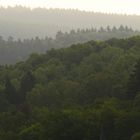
pixel 21 22
pixel 69 74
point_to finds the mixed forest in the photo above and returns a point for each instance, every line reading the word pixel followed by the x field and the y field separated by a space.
pixel 14 50
pixel 88 91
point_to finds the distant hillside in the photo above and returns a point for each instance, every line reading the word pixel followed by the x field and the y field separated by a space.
pixel 12 51
pixel 21 22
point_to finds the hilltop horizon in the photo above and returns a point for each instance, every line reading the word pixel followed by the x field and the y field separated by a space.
pixel 107 6
pixel 68 9
pixel 22 22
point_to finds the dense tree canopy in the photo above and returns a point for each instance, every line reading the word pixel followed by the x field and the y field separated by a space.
pixel 87 91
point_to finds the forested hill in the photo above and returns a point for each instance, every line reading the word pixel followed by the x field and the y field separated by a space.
pixel 12 51
pixel 21 22
pixel 88 91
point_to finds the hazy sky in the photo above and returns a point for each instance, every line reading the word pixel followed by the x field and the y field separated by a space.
pixel 109 6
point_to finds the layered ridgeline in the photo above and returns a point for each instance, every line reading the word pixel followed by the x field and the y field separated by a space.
pixel 85 92
pixel 21 22
pixel 12 51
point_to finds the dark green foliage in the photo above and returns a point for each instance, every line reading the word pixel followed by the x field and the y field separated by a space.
pixel 136 136
pixel 27 83
pixel 10 92
pixel 127 124
pixel 134 82
pixel 75 93
pixel 30 133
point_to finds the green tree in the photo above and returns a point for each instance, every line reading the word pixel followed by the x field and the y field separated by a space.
pixel 11 92
pixel 134 82
pixel 27 83
pixel 30 133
